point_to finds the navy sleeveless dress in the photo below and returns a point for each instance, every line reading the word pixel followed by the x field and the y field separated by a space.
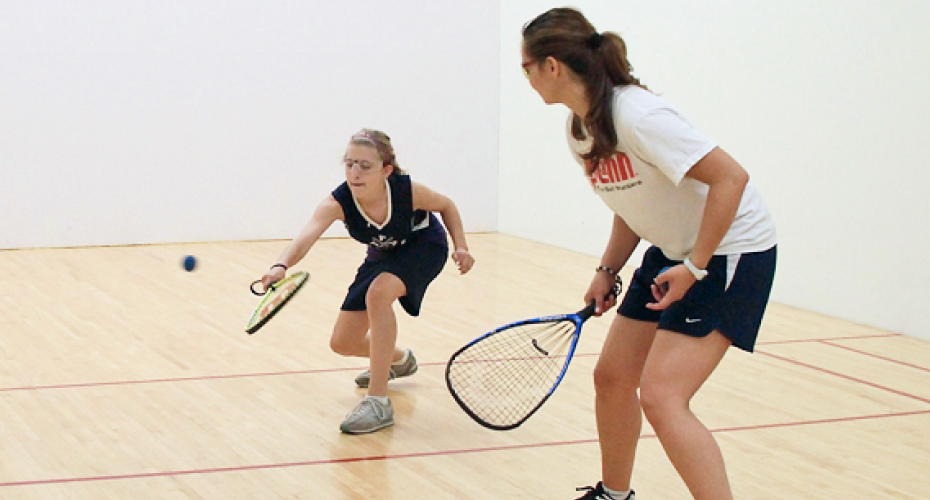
pixel 410 244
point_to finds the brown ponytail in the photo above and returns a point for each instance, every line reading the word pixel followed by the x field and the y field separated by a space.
pixel 600 60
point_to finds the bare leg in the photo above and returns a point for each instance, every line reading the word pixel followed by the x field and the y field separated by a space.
pixel 351 338
pixel 616 381
pixel 382 293
pixel 677 367
pixel 350 334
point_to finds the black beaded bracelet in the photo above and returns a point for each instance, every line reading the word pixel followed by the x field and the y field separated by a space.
pixel 282 266
pixel 608 270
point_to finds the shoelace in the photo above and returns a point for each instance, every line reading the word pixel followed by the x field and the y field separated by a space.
pixel 362 408
pixel 594 492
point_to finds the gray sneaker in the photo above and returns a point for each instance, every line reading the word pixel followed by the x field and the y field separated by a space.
pixel 405 370
pixel 368 416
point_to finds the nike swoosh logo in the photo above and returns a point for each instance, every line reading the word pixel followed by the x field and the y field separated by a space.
pixel 692 320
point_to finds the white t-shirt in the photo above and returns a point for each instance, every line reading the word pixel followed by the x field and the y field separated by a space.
pixel 645 184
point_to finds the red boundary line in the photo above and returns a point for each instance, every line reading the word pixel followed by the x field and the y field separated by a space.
pixel 459 451
pixel 308 372
pixel 176 379
pixel 827 339
pixel 876 356
pixel 242 468
pixel 843 376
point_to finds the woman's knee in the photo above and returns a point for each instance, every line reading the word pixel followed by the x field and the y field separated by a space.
pixel 609 380
pixel 660 402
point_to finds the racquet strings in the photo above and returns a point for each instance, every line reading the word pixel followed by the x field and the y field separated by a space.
pixel 504 377
pixel 278 297
pixel 275 297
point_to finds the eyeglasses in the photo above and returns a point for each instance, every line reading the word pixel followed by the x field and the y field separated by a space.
pixel 364 165
pixel 526 67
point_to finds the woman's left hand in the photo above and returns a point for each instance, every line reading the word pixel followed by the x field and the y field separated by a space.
pixel 463 260
pixel 670 286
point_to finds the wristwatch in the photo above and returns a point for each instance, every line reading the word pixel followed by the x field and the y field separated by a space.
pixel 699 274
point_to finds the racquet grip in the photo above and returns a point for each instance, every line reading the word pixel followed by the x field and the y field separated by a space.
pixel 588 311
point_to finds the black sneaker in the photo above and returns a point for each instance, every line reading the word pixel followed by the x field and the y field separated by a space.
pixel 598 493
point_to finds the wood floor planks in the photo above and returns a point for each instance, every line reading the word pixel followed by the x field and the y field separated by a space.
pixel 122 376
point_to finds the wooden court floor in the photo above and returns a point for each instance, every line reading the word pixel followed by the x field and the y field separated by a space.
pixel 124 377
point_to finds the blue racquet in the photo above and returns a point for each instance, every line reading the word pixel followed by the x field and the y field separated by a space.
pixel 502 377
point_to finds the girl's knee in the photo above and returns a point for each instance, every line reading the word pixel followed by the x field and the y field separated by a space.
pixel 383 291
pixel 339 345
pixel 349 341
pixel 376 300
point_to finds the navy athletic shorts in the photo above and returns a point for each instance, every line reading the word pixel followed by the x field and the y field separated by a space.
pixel 416 264
pixel 731 299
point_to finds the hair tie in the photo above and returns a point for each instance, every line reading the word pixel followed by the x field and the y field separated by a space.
pixel 362 136
pixel 366 137
pixel 594 41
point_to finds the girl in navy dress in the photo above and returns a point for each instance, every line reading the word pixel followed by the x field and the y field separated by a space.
pixel 407 248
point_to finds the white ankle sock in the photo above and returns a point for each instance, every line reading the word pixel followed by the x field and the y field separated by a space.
pixel 381 399
pixel 619 495
pixel 403 359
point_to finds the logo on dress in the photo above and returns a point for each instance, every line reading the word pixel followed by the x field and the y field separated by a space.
pixel 384 242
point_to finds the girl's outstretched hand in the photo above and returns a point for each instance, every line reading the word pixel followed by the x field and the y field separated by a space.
pixel 274 275
pixel 463 260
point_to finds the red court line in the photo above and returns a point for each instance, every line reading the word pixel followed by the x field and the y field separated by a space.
pixel 844 376
pixel 877 356
pixel 177 379
pixel 332 461
pixel 437 453
pixel 827 339
pixel 325 370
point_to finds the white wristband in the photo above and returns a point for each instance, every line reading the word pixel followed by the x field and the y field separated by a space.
pixel 699 274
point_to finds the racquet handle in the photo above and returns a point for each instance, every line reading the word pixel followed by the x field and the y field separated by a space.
pixel 257 292
pixel 588 311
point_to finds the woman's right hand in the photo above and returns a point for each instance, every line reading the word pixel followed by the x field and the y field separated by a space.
pixel 601 291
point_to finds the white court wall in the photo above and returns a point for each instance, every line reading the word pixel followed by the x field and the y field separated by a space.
pixel 169 121
pixel 149 121
pixel 824 102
